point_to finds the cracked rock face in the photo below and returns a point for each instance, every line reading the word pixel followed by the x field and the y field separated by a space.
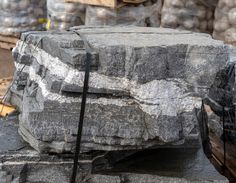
pixel 144 87
pixel 222 94
pixel 140 178
pixel 19 163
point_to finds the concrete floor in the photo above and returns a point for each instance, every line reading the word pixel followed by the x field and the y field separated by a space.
pixel 6 63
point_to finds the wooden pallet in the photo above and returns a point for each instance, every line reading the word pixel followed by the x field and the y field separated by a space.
pixel 218 154
pixel 6 110
pixel 107 3
pixel 4 85
pixel 8 42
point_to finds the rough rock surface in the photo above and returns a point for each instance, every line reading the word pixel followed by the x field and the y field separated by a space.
pixel 143 178
pixel 222 94
pixel 144 87
pixel 21 164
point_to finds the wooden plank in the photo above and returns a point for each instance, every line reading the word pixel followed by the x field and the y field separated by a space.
pixel 8 42
pixel 4 85
pixel 217 149
pixel 8 39
pixel 134 1
pixel 6 45
pixel 106 3
pixel 5 110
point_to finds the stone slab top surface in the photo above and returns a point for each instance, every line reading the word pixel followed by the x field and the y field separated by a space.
pixel 129 36
pixel 144 36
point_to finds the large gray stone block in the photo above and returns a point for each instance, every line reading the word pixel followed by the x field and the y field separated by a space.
pixel 21 163
pixel 141 54
pixel 110 123
pixel 143 90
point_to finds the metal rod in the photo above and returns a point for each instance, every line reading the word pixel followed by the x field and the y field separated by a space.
pixel 203 122
pixel 81 118
pixel 224 138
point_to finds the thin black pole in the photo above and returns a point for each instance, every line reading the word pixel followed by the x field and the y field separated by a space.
pixel 224 138
pixel 81 118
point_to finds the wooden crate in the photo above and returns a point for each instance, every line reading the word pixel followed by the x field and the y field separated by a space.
pixel 8 42
pixel 107 3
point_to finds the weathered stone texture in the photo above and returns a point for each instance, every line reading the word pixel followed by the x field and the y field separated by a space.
pixel 20 163
pixel 144 87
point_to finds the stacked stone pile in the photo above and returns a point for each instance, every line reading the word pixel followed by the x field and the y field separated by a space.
pixel 63 15
pixel 145 88
pixel 194 15
pixel 19 16
pixel 224 23
pixel 147 14
pixel 143 93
